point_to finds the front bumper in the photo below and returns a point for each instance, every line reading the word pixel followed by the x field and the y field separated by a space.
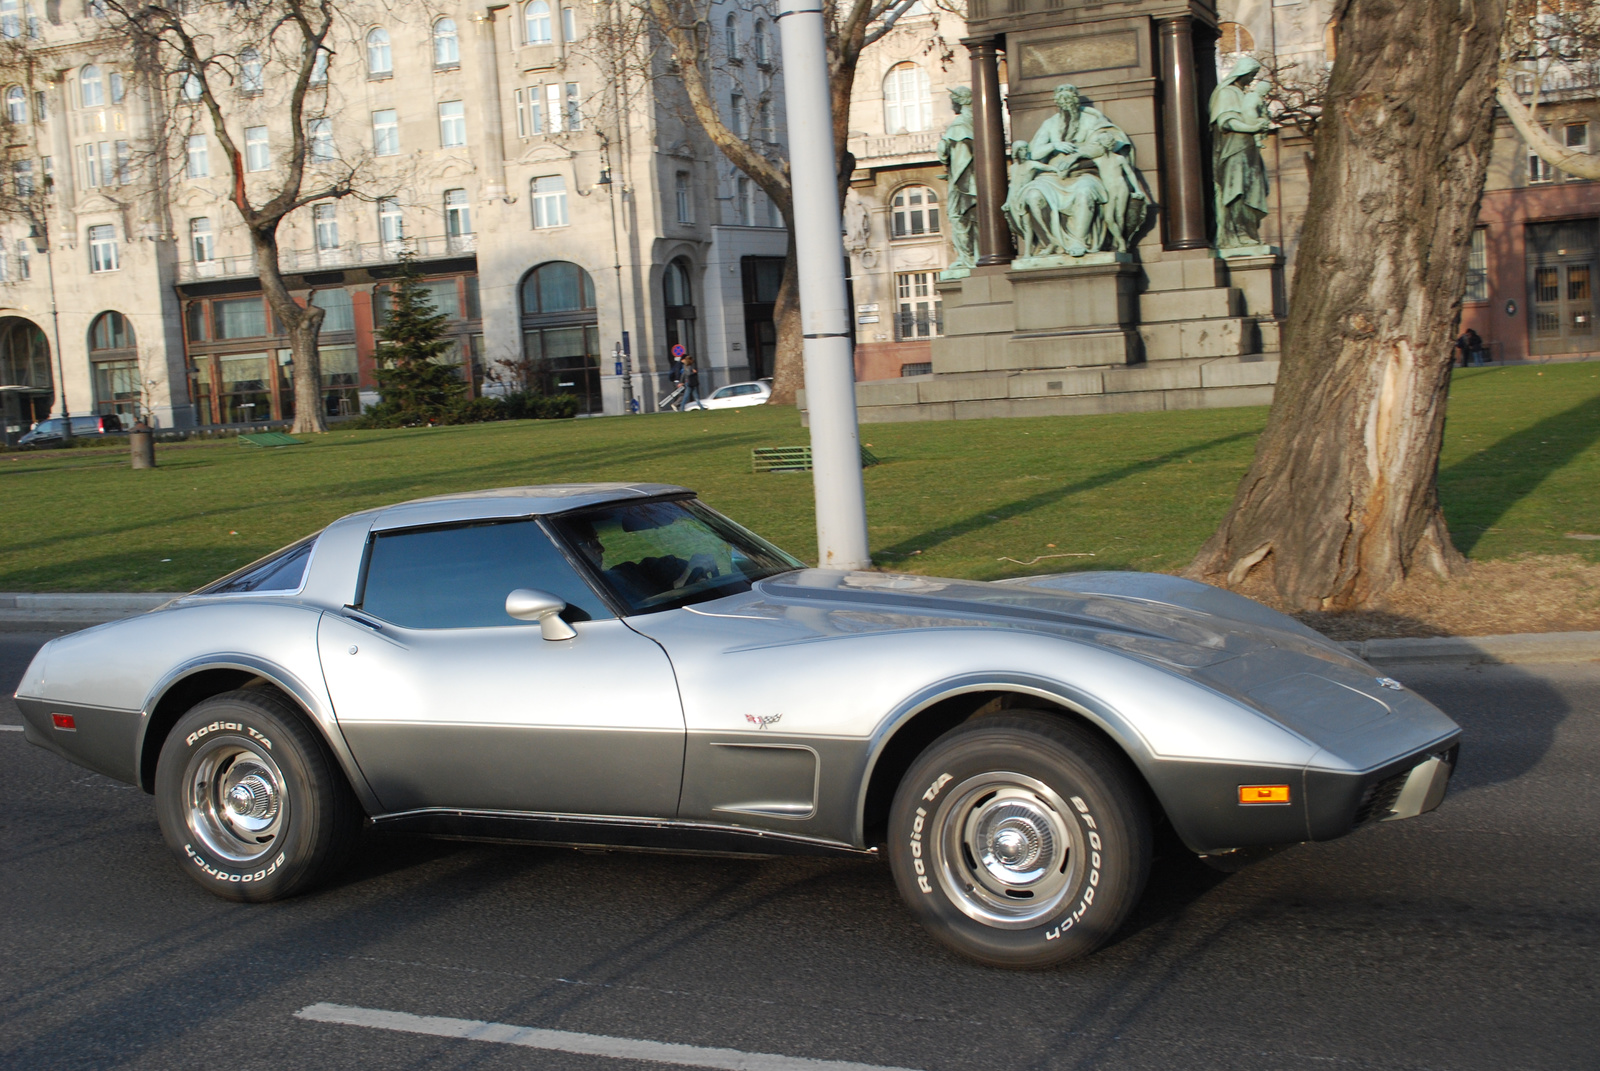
pixel 1341 802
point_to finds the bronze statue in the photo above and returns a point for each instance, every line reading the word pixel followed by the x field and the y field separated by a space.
pixel 961 198
pixel 1239 123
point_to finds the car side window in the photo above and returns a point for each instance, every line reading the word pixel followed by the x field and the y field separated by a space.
pixel 459 577
pixel 283 570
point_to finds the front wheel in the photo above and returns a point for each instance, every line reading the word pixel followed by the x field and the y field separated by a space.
pixel 1020 840
pixel 250 800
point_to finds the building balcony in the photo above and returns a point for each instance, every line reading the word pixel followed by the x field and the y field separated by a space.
pixel 349 255
pixel 877 150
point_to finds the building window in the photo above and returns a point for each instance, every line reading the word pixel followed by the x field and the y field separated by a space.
pixel 730 37
pixel 22 176
pixel 117 91
pixel 920 313
pixel 199 164
pixel 385 133
pixel 200 240
pixel 391 224
pixel 746 198
pixel 549 196
pixel 239 318
pixel 339 312
pixel 452 124
pixel 685 198
pixel 91 90
pixel 191 88
pixel 1540 169
pixel 552 101
pixel 560 332
pixel 103 248
pixel 446 44
pixel 257 156
pixel 250 78
pixel 764 127
pixel 123 176
pixel 10 19
pixel 321 141
pixel 569 24
pixel 574 107
pixel 1233 37
pixel 1576 137
pixel 763 45
pixel 914 211
pixel 95 164
pixel 325 222
pixel 380 59
pixel 319 68
pixel 457 214
pixel 17 104
pixel 530 112
pixel 1477 288
pixel 41 106
pixel 907 99
pixel 736 114
pixel 536 22
pixel 114 362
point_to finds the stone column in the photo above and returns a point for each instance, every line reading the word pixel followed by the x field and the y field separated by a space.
pixel 989 155
pixel 492 144
pixel 1182 184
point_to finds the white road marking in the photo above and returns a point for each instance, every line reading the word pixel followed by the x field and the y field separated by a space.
pixel 659 1052
pixel 12 728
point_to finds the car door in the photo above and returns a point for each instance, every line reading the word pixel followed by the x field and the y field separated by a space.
pixel 448 702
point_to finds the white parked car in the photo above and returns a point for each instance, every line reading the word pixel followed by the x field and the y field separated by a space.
pixel 734 395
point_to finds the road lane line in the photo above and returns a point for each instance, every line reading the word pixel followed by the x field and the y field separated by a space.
pixel 659 1052
pixel 12 728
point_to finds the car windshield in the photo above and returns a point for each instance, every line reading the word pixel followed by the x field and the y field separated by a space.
pixel 664 554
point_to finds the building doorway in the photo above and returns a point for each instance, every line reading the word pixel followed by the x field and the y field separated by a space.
pixel 114 359
pixel 762 278
pixel 678 297
pixel 561 332
pixel 27 390
pixel 1562 268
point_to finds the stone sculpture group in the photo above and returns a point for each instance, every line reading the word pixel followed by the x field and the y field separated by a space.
pixel 1074 189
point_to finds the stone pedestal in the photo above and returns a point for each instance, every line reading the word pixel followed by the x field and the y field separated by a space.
pixel 1259 279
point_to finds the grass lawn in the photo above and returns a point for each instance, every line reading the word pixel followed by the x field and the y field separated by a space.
pixel 981 499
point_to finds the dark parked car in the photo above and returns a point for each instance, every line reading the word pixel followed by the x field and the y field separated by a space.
pixel 48 432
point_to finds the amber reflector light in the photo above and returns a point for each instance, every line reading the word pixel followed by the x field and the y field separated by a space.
pixel 1263 794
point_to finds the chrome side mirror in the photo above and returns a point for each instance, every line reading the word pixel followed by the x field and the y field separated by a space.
pixel 529 604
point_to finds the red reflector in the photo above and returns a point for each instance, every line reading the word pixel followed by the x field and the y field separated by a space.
pixel 64 721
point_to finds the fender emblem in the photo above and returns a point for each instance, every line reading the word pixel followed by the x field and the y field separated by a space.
pixel 1391 684
pixel 761 721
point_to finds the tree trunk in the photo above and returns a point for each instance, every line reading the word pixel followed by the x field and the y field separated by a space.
pixel 1341 501
pixel 788 361
pixel 303 323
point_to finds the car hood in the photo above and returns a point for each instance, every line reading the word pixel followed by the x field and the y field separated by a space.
pixel 1167 620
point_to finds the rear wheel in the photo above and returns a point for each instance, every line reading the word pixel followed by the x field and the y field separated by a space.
pixel 1020 840
pixel 250 800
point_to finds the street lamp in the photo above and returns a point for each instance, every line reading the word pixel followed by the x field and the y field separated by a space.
pixel 40 233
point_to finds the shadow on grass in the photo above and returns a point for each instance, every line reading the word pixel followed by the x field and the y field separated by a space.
pixel 1477 491
pixel 990 516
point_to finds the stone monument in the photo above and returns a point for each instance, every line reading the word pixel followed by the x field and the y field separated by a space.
pixel 961 201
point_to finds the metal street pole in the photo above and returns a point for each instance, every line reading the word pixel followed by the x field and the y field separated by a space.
pixel 824 315
pixel 41 237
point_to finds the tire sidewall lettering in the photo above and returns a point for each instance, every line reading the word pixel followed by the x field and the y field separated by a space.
pixel 223 874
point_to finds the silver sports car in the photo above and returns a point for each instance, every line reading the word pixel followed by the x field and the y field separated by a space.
pixel 618 665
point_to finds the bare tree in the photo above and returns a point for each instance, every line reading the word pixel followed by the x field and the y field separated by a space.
pixel 693 43
pixel 1554 42
pixel 1340 503
pixel 203 59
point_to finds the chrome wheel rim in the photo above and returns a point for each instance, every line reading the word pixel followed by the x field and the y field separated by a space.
pixel 235 800
pixel 1007 849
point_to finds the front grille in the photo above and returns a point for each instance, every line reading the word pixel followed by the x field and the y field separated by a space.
pixel 1377 802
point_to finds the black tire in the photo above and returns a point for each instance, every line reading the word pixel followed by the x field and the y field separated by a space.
pixel 250 800
pixel 1061 830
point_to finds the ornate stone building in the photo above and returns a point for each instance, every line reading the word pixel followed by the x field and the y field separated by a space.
pixel 553 212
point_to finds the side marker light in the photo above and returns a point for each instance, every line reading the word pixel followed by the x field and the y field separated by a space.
pixel 1256 795
pixel 65 721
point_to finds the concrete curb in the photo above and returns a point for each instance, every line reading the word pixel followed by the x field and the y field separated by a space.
pixel 22 610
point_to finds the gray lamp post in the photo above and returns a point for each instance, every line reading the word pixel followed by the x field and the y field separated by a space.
pixel 40 233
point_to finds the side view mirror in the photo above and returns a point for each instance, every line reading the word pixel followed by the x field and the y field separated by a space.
pixel 529 604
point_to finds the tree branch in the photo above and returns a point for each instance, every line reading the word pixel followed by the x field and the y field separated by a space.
pixel 1573 162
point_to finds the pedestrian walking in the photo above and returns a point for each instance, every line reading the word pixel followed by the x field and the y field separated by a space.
pixel 691 381
pixel 1470 346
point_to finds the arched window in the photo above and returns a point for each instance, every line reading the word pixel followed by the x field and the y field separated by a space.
pixel 763 44
pixel 678 297
pixel 1233 37
pixel 730 36
pixel 536 22
pixel 250 79
pixel 114 359
pixel 16 105
pixel 914 211
pixel 190 87
pixel 907 100
pixel 560 332
pixel 91 90
pixel 319 68
pixel 380 60
pixel 446 45
pixel 25 367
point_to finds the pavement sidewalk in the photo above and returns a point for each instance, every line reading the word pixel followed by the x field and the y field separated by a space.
pixel 21 611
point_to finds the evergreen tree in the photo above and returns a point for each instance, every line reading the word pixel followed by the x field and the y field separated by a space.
pixel 415 387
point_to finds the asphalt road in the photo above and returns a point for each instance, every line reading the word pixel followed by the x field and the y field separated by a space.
pixel 1463 939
